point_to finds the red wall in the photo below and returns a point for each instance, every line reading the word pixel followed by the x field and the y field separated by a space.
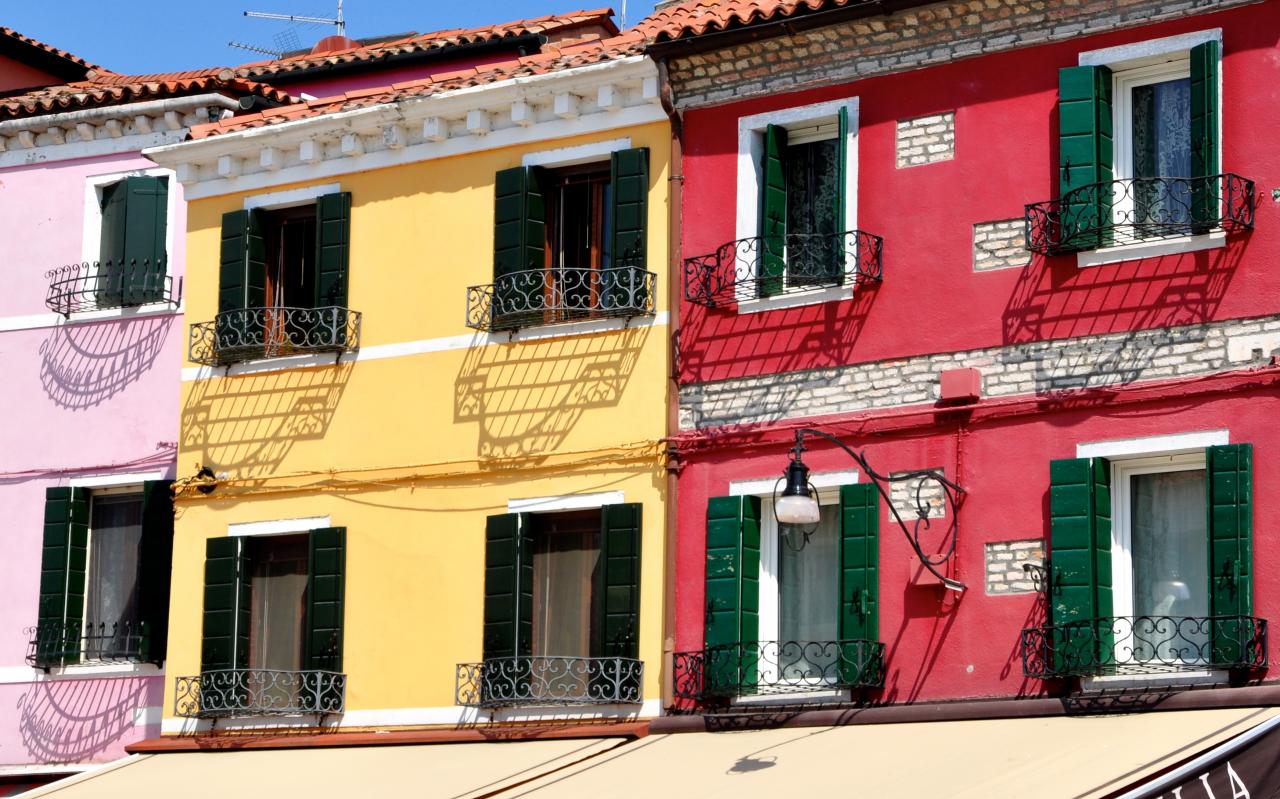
pixel 940 645
pixel 931 300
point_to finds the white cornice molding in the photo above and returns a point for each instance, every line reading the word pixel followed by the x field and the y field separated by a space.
pixel 523 110
pixel 109 130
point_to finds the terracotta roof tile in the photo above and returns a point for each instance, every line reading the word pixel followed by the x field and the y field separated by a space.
pixel 104 89
pixel 48 48
pixel 698 17
pixel 550 60
pixel 421 43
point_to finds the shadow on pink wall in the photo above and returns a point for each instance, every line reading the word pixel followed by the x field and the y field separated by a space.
pixel 85 365
pixel 72 721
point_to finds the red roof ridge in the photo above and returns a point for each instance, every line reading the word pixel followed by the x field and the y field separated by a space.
pixel 698 17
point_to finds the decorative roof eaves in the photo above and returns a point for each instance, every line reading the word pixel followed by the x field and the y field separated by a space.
pixel 433 125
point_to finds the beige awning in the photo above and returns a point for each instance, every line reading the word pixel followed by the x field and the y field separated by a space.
pixel 455 770
pixel 1078 756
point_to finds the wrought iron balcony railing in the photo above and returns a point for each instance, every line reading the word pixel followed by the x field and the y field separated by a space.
pixel 748 269
pixel 251 334
pixel 777 667
pixel 529 681
pixel 550 296
pixel 232 693
pixel 68 644
pixel 1135 645
pixel 1139 210
pixel 103 285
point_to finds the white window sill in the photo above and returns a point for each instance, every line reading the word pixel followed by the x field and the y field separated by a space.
pixel 1126 681
pixel 794 698
pixel 29 674
pixel 150 309
pixel 1152 249
pixel 795 299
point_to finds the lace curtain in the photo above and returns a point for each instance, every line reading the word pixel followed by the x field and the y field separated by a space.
pixel 1162 149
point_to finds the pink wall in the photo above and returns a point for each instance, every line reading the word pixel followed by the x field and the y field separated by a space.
pixel 931 300
pixel 90 396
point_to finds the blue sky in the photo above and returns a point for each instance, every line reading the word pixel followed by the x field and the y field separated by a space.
pixel 141 36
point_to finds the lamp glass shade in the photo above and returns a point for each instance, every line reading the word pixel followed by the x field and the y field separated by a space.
pixel 797 510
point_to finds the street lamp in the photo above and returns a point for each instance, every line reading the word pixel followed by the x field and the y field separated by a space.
pixel 798 504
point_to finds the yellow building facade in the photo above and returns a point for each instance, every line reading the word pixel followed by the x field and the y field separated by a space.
pixel 450 396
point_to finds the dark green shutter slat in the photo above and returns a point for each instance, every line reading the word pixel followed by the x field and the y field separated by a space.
pixel 155 567
pixel 111 250
pixel 242 277
pixel 333 247
pixel 508 586
pixel 1205 195
pixel 859 591
pixel 519 239
pixel 629 192
pixel 732 593
pixel 841 246
pixel 620 554
pixel 773 211
pixel 144 244
pixel 1080 557
pixel 63 559
pixel 326 587
pixel 1229 500
pixel 1085 154
pixel 629 179
pixel 225 605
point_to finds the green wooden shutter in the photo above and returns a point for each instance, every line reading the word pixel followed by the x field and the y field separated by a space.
pixel 1229 494
pixel 1085 155
pixel 226 607
pixel 63 559
pixel 242 280
pixel 859 618
pixel 1205 193
pixel 624 286
pixel 773 211
pixel 1080 559
pixel 144 239
pixel 841 248
pixel 155 567
pixel 333 237
pixel 111 251
pixel 732 631
pixel 326 587
pixel 618 601
pixel 519 243
pixel 508 586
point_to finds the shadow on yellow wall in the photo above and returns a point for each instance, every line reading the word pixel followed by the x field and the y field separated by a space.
pixel 247 425
pixel 527 397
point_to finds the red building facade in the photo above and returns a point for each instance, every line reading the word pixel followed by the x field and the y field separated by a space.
pixel 1030 246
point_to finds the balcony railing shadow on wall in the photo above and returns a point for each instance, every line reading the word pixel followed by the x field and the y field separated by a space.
pixel 527 397
pixel 1053 298
pixel 84 365
pixel 73 721
pixel 247 426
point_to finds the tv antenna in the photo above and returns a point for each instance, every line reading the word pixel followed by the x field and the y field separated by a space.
pixel 288 40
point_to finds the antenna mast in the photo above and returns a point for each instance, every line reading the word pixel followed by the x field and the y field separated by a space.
pixel 339 22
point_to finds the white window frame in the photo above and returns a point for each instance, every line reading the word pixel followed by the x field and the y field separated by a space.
pixel 1137 64
pixel 751 130
pixel 91 243
pixel 828 486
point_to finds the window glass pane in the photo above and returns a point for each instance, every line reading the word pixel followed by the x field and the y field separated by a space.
pixel 566 556
pixel 807 583
pixel 1170 572
pixel 1162 149
pixel 813 177
pixel 115 544
pixel 278 586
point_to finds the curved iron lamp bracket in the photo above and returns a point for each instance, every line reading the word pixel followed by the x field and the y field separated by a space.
pixel 912 531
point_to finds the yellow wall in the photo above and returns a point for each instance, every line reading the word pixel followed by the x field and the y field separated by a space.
pixel 411 453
